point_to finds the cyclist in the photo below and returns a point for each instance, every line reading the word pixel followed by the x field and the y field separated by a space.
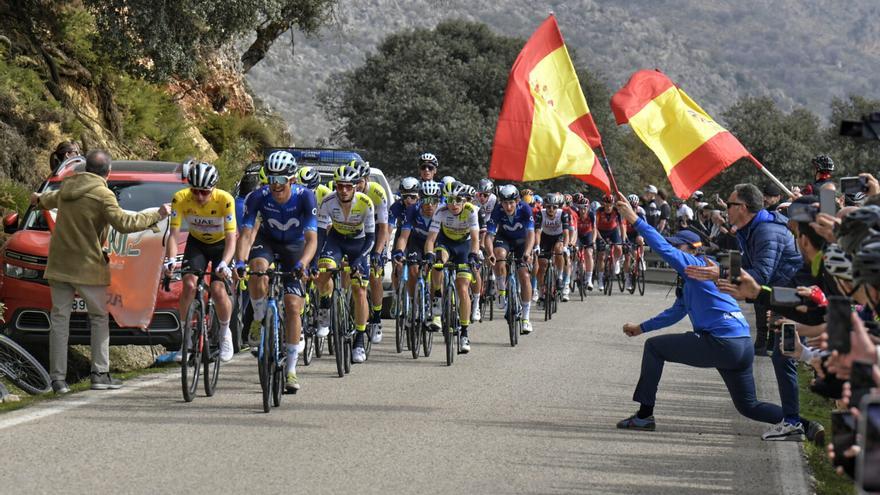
pixel 586 236
pixel 633 238
pixel 210 214
pixel 824 167
pixel 551 234
pixel 414 230
pixel 486 197
pixel 409 196
pixel 455 236
pixel 428 166
pixel 311 179
pixel 610 226
pixel 347 222
pixel 477 277
pixel 379 198
pixel 512 227
pixel 286 236
pixel 570 246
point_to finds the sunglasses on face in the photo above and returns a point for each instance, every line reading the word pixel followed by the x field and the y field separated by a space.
pixel 551 207
pixel 200 192
pixel 733 203
pixel 344 186
pixel 483 195
pixel 412 197
pixel 427 167
pixel 430 201
pixel 278 179
pixel 458 201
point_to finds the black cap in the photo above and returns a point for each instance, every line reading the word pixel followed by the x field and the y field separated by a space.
pixel 772 189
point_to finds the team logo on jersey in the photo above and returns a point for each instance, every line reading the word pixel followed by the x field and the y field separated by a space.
pixel 228 218
pixel 293 222
pixel 511 228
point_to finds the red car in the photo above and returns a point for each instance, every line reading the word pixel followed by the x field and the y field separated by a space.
pixel 24 291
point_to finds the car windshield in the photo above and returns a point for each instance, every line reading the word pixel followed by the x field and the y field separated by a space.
pixel 132 195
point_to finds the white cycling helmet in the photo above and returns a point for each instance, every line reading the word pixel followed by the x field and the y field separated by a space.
pixel 202 176
pixel 280 163
pixel 633 199
pixel 429 158
pixel 508 192
pixel 837 262
pixel 409 185
pixel 430 189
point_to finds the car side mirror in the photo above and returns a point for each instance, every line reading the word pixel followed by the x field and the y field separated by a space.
pixel 10 223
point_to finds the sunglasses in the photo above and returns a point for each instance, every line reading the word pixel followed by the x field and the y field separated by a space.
pixel 430 200
pixel 734 203
pixel 483 195
pixel 344 186
pixel 551 207
pixel 411 196
pixel 458 200
pixel 427 167
pixel 278 179
pixel 201 192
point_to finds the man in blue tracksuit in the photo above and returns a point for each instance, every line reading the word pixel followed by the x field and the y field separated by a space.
pixel 720 338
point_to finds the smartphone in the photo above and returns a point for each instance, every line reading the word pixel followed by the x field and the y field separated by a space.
pixel 852 185
pixel 786 297
pixel 789 332
pixel 839 323
pixel 843 436
pixel 735 270
pixel 802 212
pixel 867 474
pixel 828 201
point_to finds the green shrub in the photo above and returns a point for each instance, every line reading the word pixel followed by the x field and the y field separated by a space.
pixel 150 113
pixel 13 196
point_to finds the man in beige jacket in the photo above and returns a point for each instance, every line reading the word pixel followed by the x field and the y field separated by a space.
pixel 78 264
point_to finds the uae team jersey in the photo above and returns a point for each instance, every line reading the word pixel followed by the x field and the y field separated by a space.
pixel 286 222
pixel 210 222
pixel 360 219
pixel 554 224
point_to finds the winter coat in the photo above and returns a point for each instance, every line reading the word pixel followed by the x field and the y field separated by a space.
pixel 769 252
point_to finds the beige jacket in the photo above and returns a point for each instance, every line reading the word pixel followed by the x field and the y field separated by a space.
pixel 86 207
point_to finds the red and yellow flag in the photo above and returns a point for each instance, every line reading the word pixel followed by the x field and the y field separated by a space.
pixel 692 147
pixel 545 129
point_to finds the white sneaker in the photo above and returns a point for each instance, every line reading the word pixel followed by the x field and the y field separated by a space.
pixel 535 296
pixel 465 345
pixel 783 431
pixel 590 285
pixel 629 282
pixel 358 355
pixel 477 315
pixel 226 351
pixel 617 268
pixel 377 334
pixel 323 322
pixel 527 327
pixel 566 292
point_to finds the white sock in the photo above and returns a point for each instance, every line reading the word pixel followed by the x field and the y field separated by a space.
pixel 292 355
pixel 224 329
pixel 502 283
pixel 259 308
pixel 477 300
pixel 526 307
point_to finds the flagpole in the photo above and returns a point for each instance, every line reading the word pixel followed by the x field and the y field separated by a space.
pixel 770 176
pixel 608 166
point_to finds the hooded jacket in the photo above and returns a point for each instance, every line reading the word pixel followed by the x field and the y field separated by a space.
pixel 769 253
pixel 86 208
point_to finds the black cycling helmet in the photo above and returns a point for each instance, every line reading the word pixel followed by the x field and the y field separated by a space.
pixel 856 226
pixel 823 163
pixel 485 186
pixel 866 263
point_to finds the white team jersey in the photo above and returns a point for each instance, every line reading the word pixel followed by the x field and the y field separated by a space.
pixel 360 219
pixel 487 207
pixel 553 225
pixel 455 227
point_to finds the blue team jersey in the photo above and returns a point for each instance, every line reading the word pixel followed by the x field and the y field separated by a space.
pixel 396 213
pixel 511 227
pixel 283 223
pixel 416 223
pixel 239 211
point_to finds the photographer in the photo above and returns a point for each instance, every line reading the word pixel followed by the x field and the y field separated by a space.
pixel 720 338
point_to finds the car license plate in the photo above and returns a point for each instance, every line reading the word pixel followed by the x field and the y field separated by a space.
pixel 79 305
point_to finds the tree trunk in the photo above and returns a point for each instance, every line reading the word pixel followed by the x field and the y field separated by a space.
pixel 109 110
pixel 266 36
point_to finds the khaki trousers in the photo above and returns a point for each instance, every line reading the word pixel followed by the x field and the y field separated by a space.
pixel 95 297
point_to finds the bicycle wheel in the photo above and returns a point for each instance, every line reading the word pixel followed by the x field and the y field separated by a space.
pixel 620 280
pixel 308 347
pixel 191 348
pixel 337 318
pixel 235 323
pixel 609 277
pixel 400 313
pixel 491 293
pixel 511 313
pixel 211 356
pixel 347 354
pixel 267 356
pixel 449 311
pixel 427 334
pixel 640 281
pixel 416 320
pixel 22 369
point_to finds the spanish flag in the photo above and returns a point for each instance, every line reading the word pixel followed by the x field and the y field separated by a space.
pixel 545 129
pixel 692 147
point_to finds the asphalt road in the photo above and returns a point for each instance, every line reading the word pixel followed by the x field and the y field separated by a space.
pixel 538 418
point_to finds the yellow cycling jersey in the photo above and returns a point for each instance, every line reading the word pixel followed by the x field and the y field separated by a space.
pixel 377 195
pixel 360 217
pixel 455 227
pixel 208 223
pixel 320 192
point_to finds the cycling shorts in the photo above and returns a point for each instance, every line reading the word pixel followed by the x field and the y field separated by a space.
pixel 610 236
pixel 458 250
pixel 415 246
pixel 284 255
pixel 632 236
pixel 336 246
pixel 518 246
pixel 548 243
pixel 198 254
pixel 586 240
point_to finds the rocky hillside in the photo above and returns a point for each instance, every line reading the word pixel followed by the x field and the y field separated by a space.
pixel 799 52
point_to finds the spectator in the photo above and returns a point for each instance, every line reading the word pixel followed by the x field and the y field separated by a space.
pixel 665 212
pixel 651 205
pixel 772 197
pixel 824 166
pixel 720 338
pixel 64 150
pixel 771 258
pixel 78 264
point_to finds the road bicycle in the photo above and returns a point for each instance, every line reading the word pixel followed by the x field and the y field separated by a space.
pixel 22 369
pixel 341 320
pixel 200 343
pixel 419 331
pixel 400 310
pixel 637 270
pixel 451 323
pixel 487 299
pixel 550 285
pixel 513 310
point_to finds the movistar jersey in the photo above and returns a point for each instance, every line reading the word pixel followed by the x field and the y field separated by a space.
pixel 417 223
pixel 455 227
pixel 360 218
pixel 513 227
pixel 396 213
pixel 282 222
